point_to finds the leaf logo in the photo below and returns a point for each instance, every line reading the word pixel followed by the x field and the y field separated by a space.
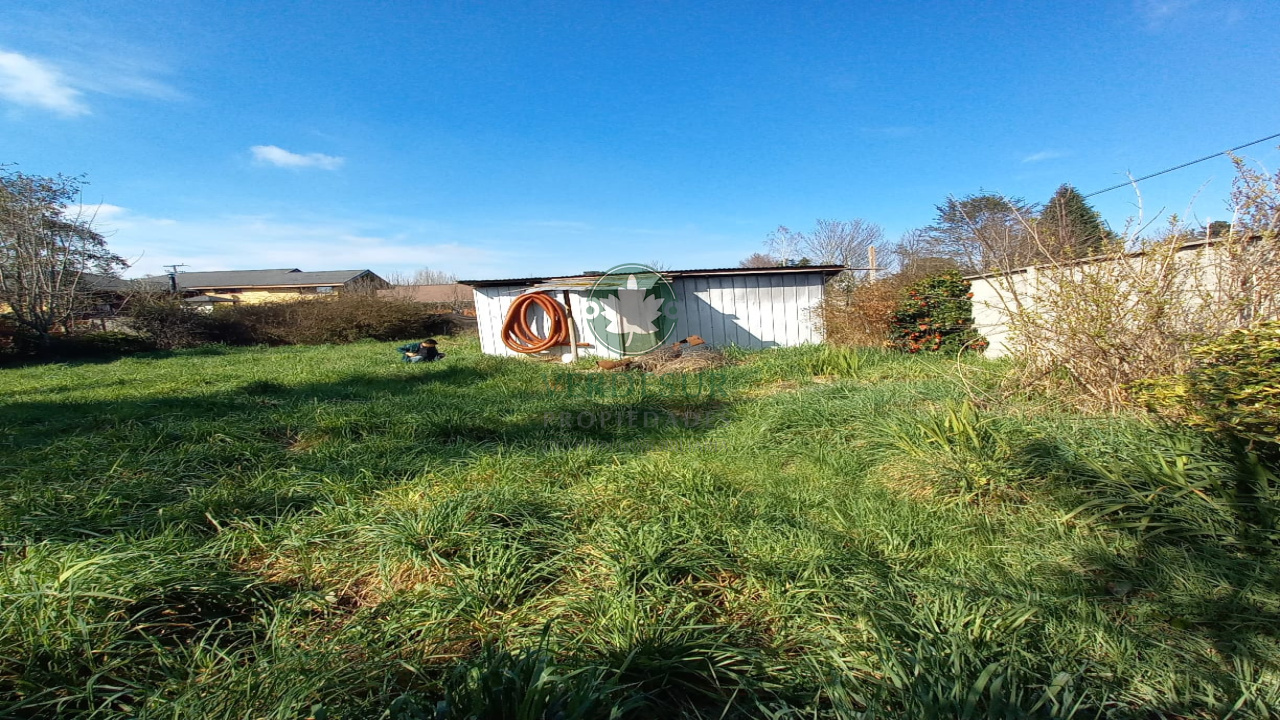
pixel 632 309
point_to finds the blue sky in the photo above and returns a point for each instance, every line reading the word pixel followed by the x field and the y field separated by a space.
pixel 509 139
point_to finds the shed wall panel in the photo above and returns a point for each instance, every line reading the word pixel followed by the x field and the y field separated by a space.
pixel 750 311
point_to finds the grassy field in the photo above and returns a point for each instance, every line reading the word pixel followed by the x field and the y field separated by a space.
pixel 326 532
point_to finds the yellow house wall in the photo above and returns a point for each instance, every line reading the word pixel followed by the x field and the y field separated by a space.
pixel 253 297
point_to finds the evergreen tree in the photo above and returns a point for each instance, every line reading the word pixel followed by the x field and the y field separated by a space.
pixel 1070 227
pixel 1218 229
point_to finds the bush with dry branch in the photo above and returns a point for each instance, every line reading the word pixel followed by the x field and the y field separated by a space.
pixel 859 316
pixel 341 319
pixel 1090 328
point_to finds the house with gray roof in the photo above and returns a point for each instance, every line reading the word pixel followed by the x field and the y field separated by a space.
pixel 254 286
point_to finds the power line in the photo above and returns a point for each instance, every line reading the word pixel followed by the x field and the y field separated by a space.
pixel 1179 167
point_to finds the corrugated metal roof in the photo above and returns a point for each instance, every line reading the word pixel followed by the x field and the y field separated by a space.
pixel 588 279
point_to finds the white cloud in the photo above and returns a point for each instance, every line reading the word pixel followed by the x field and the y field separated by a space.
pixel 565 225
pixel 254 242
pixel 272 155
pixel 95 214
pixel 1159 12
pixel 891 131
pixel 1043 155
pixel 29 82
pixel 387 244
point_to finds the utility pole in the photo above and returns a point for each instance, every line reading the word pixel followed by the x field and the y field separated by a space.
pixel 173 277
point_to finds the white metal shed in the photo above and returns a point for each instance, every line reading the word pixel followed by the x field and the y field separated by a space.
pixel 747 307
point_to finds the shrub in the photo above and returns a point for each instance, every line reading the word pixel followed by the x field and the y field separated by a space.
pixel 341 319
pixel 172 323
pixel 935 315
pixel 859 316
pixel 24 346
pixel 104 344
pixel 838 362
pixel 259 324
pixel 167 321
pixel 1233 386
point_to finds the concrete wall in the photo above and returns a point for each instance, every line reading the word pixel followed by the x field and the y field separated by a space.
pixel 1199 276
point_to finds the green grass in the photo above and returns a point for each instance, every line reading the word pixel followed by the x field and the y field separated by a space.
pixel 327 532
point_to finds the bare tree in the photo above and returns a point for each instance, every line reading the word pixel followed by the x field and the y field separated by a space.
pixel 837 242
pixel 49 252
pixel 986 232
pixel 831 242
pixel 916 258
pixel 786 245
pixel 759 260
pixel 422 276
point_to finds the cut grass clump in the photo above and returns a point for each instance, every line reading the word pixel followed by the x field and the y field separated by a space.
pixel 327 532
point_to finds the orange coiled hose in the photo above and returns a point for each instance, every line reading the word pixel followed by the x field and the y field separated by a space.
pixel 516 333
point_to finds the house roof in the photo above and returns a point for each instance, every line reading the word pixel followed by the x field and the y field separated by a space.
pixel 566 280
pixel 108 283
pixel 446 292
pixel 281 277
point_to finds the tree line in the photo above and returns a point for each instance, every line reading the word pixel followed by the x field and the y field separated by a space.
pixel 972 234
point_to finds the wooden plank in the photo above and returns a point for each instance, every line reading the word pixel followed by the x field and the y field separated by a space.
pixel 742 313
pixel 758 315
pixel 684 325
pixel 707 311
pixel 756 311
pixel 499 302
pixel 729 316
pixel 777 312
pixel 498 314
pixel 579 302
pixel 805 308
pixel 485 299
pixel 817 292
pixel 722 300
pixel 481 302
pixel 789 311
pixel 804 312
pixel 703 308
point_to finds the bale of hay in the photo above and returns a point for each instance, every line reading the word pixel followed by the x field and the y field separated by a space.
pixel 655 359
pixel 700 357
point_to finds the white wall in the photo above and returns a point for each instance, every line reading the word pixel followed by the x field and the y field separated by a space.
pixel 750 311
pixel 993 296
pixel 492 304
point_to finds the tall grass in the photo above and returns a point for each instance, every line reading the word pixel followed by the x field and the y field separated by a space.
pixel 327 532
